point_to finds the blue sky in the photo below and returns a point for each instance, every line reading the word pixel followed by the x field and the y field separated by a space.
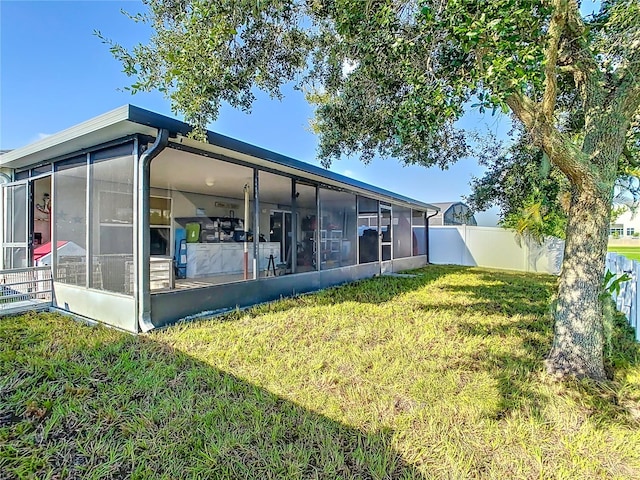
pixel 54 73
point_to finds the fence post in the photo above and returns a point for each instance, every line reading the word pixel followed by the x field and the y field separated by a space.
pixel 624 266
pixel 633 293
pixel 633 318
pixel 612 267
pixel 465 246
pixel 616 271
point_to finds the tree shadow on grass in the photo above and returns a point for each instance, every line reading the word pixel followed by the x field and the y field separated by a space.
pixel 525 308
pixel 518 377
pixel 507 293
pixel 521 302
pixel 94 403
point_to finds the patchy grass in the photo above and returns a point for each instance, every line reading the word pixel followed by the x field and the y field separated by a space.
pixel 632 253
pixel 438 376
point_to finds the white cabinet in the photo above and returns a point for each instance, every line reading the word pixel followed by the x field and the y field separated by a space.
pixel 203 259
pixel 210 259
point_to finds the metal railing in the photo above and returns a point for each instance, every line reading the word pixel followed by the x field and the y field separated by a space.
pixel 23 289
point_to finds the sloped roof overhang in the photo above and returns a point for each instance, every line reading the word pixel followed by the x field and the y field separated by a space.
pixel 131 120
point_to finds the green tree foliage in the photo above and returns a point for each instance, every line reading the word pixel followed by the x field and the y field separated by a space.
pixel 391 77
pixel 203 53
pixel 531 194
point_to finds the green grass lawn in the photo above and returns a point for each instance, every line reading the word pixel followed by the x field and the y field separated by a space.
pixel 632 253
pixel 438 376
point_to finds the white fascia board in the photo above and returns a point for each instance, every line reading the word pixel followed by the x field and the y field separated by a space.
pixel 101 129
pixel 129 120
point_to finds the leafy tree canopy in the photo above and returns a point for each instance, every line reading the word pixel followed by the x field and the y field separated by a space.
pixel 388 77
pixel 532 195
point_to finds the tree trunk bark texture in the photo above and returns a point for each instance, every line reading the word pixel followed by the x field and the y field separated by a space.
pixel 578 341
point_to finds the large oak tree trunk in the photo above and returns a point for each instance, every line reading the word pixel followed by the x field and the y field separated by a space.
pixel 578 342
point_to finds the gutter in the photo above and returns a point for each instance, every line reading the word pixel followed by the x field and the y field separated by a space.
pixel 144 250
pixel 427 230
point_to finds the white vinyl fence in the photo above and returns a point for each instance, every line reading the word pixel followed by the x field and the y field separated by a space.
pixel 493 247
pixel 629 297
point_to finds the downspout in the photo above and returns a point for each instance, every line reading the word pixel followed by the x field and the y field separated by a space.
pixel 293 243
pixel 426 230
pixel 144 250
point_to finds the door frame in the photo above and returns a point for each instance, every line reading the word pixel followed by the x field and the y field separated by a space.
pixel 385 265
pixel 30 204
pixel 27 244
pixel 283 239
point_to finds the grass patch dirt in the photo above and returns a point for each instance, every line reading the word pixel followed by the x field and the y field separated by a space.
pixel 437 376
pixel 632 253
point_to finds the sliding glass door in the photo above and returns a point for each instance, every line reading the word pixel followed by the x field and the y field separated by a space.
pixel 386 233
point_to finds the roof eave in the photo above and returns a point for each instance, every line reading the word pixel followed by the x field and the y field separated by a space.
pixel 130 120
pixel 103 128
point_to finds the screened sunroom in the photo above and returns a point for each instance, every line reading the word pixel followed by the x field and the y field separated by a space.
pixel 150 227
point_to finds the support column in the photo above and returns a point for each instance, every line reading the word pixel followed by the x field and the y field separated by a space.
pixel 256 225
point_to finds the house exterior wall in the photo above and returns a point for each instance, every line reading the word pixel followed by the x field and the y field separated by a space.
pixel 625 226
pixel 110 308
pixel 169 307
pixel 99 194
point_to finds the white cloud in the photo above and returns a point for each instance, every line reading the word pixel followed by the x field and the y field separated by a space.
pixel 38 136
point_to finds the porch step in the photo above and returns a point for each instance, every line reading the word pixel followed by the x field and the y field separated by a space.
pixel 16 308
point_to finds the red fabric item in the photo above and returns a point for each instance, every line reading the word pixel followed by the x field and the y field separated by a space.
pixel 45 249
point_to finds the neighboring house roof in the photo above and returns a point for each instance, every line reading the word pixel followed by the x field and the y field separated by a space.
pixel 441 217
pixel 444 206
pixel 130 120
